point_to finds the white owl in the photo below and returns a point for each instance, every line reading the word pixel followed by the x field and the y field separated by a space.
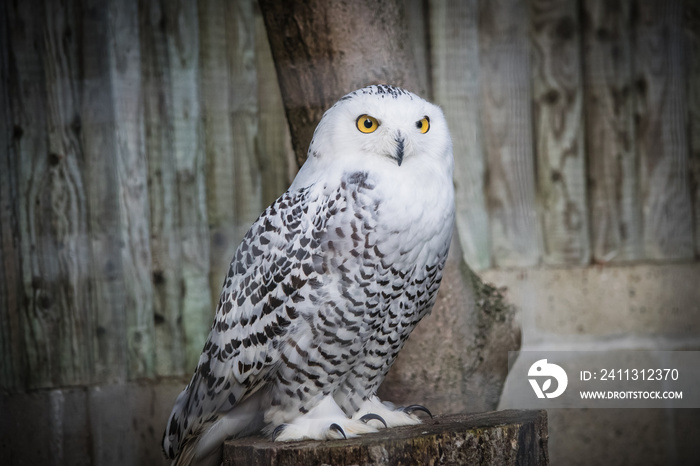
pixel 327 284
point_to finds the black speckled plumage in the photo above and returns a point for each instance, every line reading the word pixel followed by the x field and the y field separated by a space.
pixel 324 289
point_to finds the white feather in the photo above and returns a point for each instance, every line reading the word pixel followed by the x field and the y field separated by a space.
pixel 327 284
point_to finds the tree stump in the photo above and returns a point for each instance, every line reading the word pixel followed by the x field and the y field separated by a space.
pixel 493 438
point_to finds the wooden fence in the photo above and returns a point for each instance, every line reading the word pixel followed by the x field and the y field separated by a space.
pixel 140 139
pixel 582 128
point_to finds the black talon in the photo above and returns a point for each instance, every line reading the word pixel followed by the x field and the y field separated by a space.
pixel 410 409
pixel 278 430
pixel 336 427
pixel 368 417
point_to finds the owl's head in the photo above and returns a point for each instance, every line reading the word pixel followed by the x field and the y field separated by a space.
pixel 384 128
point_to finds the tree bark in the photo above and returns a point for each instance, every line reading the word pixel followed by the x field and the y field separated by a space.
pixel 325 49
pixel 456 359
pixel 504 438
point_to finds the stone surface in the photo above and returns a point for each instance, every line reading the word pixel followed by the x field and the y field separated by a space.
pixel 581 437
pixel 685 434
pixel 586 304
pixel 503 438
pixel 644 436
pixel 633 307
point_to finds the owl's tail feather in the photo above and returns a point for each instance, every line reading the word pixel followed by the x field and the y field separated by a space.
pixel 207 448
pixel 188 456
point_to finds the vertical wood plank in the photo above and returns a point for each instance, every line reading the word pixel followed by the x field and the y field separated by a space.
pixel 57 319
pixel 661 119
pixel 504 57
pixel 97 126
pixel 558 131
pixel 273 145
pixel 67 199
pixel 454 43
pixel 615 211
pixel 131 167
pixel 12 303
pixel 231 126
pixel 240 38
pixel 28 105
pixel 189 157
pixel 691 26
pixel 215 89
pixel 162 192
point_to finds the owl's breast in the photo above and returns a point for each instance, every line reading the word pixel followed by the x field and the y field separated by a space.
pixel 418 213
pixel 405 223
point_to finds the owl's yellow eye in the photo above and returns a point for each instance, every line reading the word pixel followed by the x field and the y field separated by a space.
pixel 423 125
pixel 367 124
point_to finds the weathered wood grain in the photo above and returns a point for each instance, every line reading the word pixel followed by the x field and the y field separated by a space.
pixel 219 147
pixel 558 131
pixel 229 92
pixel 96 125
pixel 502 438
pixel 691 26
pixel 56 317
pixel 183 49
pixel 166 275
pixel 454 49
pixel 273 142
pixel 28 117
pixel 504 57
pixel 100 105
pixel 246 179
pixel 615 209
pixel 12 301
pixel 132 178
pixel 661 119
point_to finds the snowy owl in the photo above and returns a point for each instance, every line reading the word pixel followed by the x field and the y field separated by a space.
pixel 327 284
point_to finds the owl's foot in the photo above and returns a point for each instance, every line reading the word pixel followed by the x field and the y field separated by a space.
pixel 324 422
pixel 392 416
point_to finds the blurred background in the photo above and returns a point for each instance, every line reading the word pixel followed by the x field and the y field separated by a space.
pixel 139 139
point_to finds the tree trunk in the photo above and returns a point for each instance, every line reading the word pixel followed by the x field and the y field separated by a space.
pixel 503 438
pixel 457 359
pixel 320 57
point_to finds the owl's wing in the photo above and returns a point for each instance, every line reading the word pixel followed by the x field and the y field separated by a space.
pixel 277 258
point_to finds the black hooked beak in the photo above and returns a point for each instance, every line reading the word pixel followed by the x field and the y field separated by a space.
pixel 399 148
